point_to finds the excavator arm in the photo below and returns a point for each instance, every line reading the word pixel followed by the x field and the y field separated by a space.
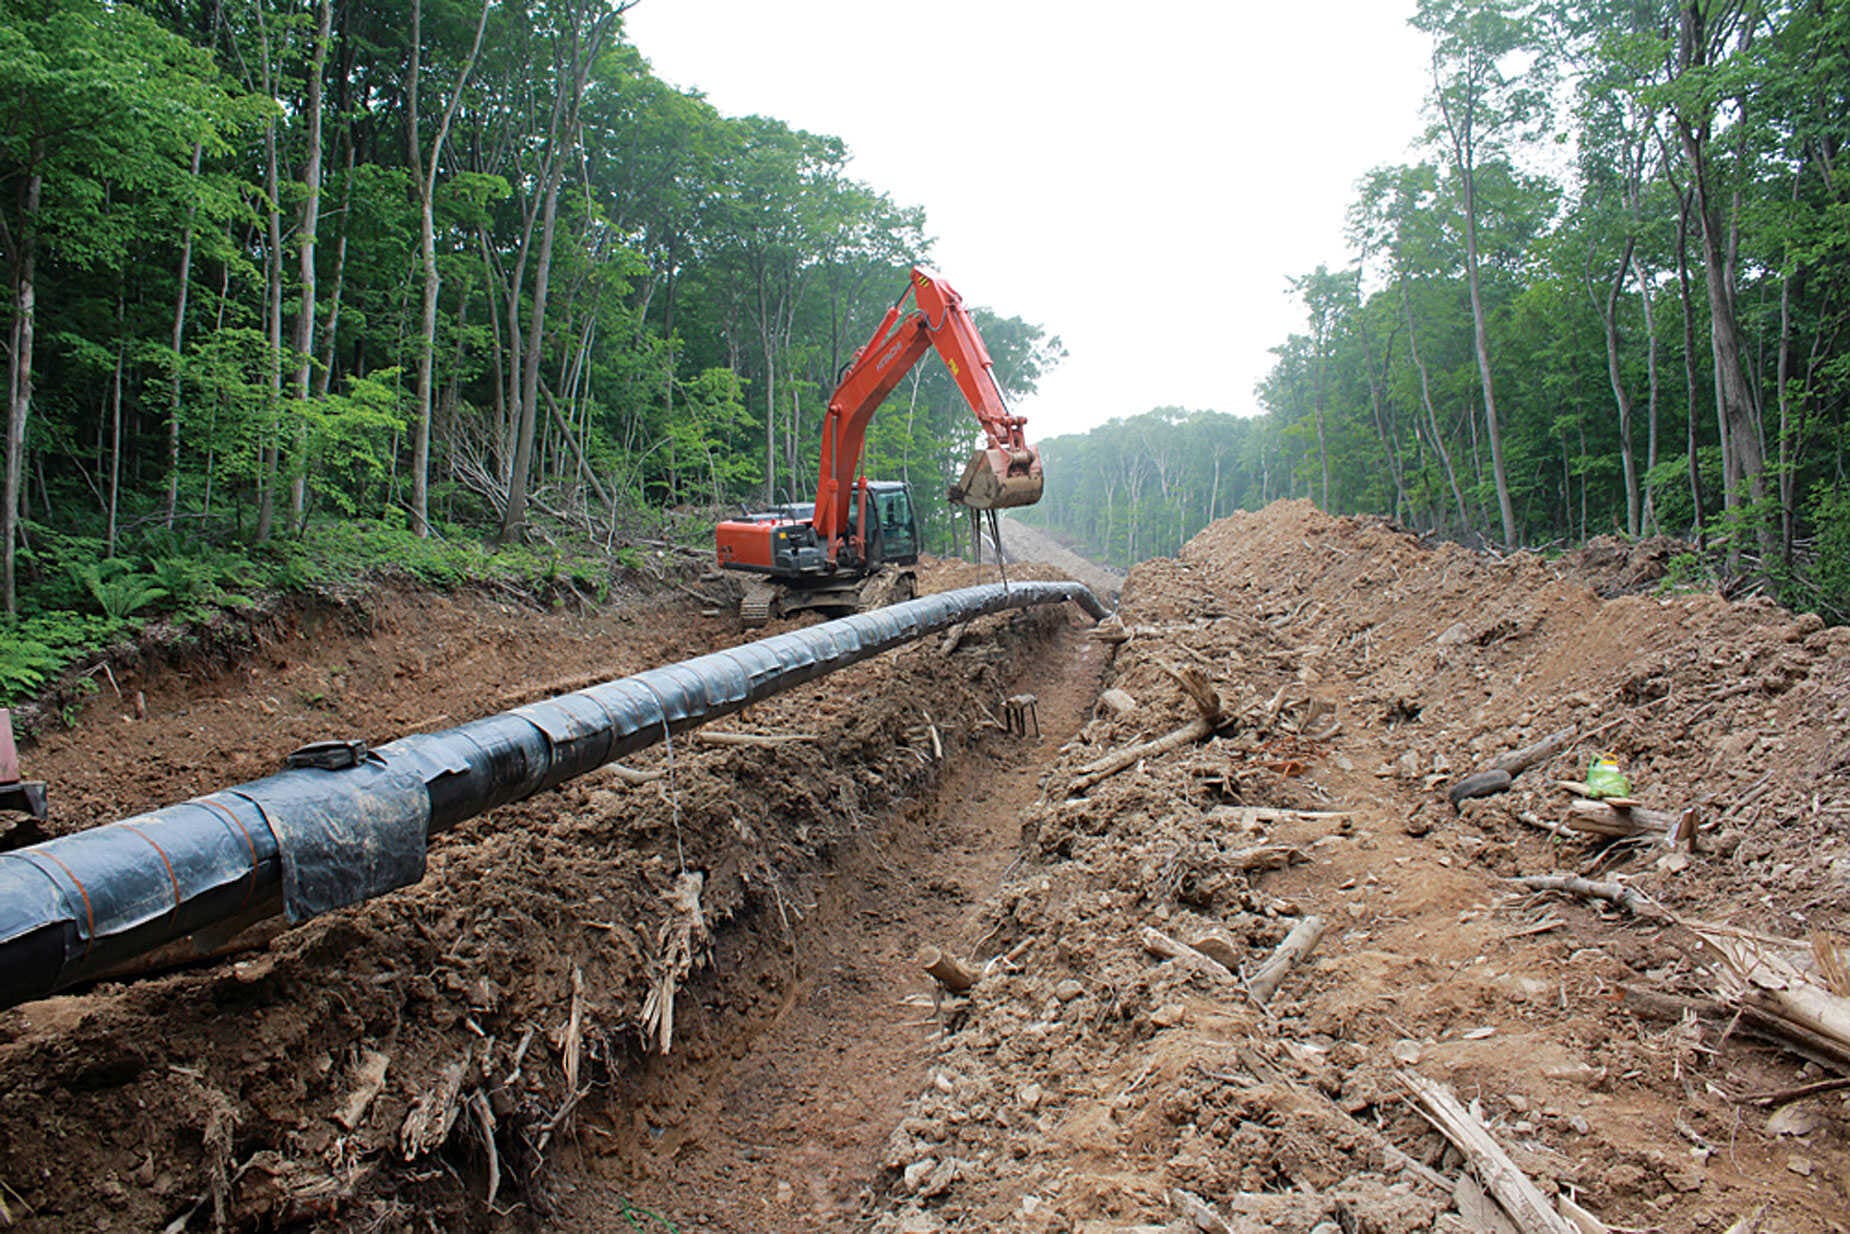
pixel 1005 473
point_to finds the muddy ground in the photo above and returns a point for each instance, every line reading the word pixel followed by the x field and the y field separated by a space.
pixel 468 1053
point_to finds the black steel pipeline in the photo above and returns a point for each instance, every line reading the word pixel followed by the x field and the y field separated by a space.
pixel 312 839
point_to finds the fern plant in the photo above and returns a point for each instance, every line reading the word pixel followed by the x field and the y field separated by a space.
pixel 26 667
pixel 118 591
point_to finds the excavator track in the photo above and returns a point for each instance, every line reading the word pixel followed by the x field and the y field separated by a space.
pixel 755 608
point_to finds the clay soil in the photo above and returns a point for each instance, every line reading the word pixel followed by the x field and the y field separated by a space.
pixel 468 1053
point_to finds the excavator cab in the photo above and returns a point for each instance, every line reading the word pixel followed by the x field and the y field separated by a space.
pixel 893 532
pixel 897 538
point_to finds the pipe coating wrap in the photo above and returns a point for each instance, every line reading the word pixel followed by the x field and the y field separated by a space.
pixel 309 840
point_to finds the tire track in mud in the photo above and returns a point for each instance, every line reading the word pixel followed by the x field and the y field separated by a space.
pixel 801 1052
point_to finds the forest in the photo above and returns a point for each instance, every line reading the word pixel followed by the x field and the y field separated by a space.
pixel 297 284
pixel 1608 296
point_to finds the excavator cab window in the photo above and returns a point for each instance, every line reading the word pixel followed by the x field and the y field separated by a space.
pixel 899 534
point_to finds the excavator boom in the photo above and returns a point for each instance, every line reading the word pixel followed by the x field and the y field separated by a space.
pixel 833 552
pixel 1004 474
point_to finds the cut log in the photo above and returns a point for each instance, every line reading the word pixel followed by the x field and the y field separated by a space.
pixel 1518 761
pixel 1479 784
pixel 1520 1198
pixel 952 637
pixel 1764 975
pixel 1299 943
pixel 1749 1019
pixel 1158 943
pixel 1603 818
pixel 949 971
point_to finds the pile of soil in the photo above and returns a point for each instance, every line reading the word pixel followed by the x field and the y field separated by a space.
pixel 1091 1083
pixel 1033 544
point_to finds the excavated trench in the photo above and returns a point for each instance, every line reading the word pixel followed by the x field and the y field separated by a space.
pixel 483 1035
pixel 813 1027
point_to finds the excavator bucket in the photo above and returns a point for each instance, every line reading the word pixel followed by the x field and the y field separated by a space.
pixel 1000 479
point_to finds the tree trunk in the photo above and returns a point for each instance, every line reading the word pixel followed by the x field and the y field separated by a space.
pixel 177 341
pixel 1743 456
pixel 304 342
pixel 1464 161
pixel 267 468
pixel 1377 402
pixel 1480 337
pixel 513 520
pixel 115 425
pixel 19 371
pixel 424 176
pixel 1438 438
pixel 1687 299
pixel 1609 320
pixel 1648 524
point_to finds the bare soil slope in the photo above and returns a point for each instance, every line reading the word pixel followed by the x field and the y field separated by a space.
pixel 1091 1079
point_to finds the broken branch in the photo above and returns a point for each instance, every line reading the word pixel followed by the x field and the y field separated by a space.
pixel 1634 902
pixel 1299 943
pixel 949 971
pixel 1519 1197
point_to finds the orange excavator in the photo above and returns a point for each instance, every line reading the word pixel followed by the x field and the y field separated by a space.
pixel 849 550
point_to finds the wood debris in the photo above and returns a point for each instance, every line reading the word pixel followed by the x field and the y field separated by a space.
pixel 949 971
pixel 1298 944
pixel 433 1113
pixel 680 944
pixel 368 1081
pixel 1211 714
pixel 1521 1200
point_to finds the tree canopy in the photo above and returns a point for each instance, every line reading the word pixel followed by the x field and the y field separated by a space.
pixel 1608 297
pixel 453 266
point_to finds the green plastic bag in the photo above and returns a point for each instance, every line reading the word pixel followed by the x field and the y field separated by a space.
pixel 1605 779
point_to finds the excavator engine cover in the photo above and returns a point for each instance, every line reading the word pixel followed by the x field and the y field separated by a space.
pixel 1000 479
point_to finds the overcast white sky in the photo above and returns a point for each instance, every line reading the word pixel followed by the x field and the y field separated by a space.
pixel 1140 178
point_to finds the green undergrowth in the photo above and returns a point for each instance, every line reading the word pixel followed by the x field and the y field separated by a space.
pixel 76 600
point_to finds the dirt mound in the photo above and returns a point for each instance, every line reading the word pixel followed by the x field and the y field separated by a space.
pixel 1107 1076
pixel 1614 566
pixel 1032 544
